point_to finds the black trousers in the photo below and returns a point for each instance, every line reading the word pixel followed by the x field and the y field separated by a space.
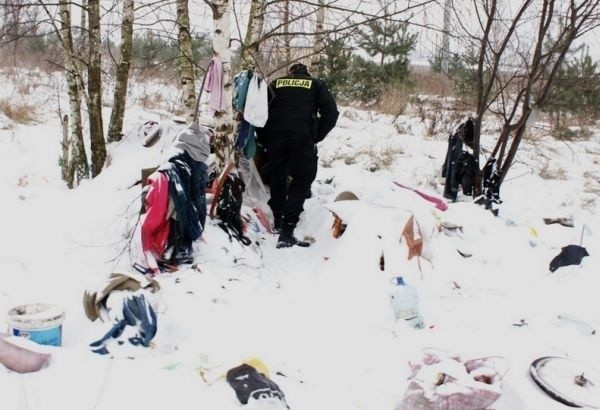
pixel 290 156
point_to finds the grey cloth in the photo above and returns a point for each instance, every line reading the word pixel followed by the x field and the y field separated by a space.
pixel 194 141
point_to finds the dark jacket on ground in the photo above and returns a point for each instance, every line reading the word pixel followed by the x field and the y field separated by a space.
pixel 569 255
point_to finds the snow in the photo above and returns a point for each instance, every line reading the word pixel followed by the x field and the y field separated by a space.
pixel 319 318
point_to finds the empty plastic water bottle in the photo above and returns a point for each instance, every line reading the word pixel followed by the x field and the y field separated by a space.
pixel 405 302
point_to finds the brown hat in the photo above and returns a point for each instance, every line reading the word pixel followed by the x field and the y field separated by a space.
pixel 346 196
pixel 93 302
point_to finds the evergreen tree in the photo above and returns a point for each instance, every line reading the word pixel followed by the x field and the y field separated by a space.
pixel 366 81
pixel 153 51
pixel 576 91
pixel 336 66
pixel 456 63
pixel 391 42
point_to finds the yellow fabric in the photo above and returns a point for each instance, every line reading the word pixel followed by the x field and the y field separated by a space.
pixel 258 365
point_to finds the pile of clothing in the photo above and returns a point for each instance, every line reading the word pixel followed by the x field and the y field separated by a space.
pixel 174 201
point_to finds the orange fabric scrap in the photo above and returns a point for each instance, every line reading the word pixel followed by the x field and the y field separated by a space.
pixel 414 243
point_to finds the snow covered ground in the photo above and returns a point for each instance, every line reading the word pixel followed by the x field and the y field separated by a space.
pixel 319 318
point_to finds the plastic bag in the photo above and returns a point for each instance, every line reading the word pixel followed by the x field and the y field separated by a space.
pixel 440 381
pixel 256 111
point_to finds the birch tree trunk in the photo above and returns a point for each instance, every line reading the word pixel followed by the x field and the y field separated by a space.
pixel 186 59
pixel 287 38
pixel 80 50
pixel 224 136
pixel 115 126
pixel 82 30
pixel 253 33
pixel 98 145
pixel 77 160
pixel 65 165
pixel 315 61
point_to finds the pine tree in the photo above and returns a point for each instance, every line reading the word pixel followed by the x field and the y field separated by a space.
pixel 336 66
pixel 576 91
pixel 392 43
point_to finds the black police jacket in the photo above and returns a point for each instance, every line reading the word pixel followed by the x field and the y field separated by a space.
pixel 295 100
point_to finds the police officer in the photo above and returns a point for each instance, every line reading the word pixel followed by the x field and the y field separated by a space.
pixel 301 113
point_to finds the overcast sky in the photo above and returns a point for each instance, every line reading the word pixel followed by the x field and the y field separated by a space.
pixel 428 21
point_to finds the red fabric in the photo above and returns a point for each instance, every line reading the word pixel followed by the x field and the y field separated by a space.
pixel 155 226
pixel 263 219
pixel 438 202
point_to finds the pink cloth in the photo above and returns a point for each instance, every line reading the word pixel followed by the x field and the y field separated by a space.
pixel 19 359
pixel 471 385
pixel 155 226
pixel 438 202
pixel 263 219
pixel 214 84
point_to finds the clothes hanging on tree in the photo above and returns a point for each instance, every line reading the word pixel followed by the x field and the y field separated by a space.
pixel 491 186
pixel 214 84
pixel 466 169
pixel 245 140
pixel 241 81
pixel 256 109
pixel 450 166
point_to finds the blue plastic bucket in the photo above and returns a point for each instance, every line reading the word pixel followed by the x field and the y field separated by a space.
pixel 39 322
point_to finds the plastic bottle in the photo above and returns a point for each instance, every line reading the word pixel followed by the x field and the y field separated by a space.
pixel 405 303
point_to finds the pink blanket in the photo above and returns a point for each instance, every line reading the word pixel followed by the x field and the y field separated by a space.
pixel 19 359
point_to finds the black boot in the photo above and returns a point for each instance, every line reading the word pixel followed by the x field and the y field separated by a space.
pixel 277 223
pixel 184 256
pixel 287 240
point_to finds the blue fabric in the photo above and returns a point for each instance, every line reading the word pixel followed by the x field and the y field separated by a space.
pixel 241 81
pixel 243 132
pixel 250 148
pixel 198 187
pixel 180 181
pixel 245 140
pixel 136 312
pixel 187 187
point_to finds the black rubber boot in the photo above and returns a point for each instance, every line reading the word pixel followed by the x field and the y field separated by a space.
pixel 287 240
pixel 277 224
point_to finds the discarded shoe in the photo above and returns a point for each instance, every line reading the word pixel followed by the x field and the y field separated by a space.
pixel 249 384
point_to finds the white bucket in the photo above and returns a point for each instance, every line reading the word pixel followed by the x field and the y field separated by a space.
pixel 38 322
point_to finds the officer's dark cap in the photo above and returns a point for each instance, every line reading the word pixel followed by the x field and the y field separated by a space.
pixel 298 68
